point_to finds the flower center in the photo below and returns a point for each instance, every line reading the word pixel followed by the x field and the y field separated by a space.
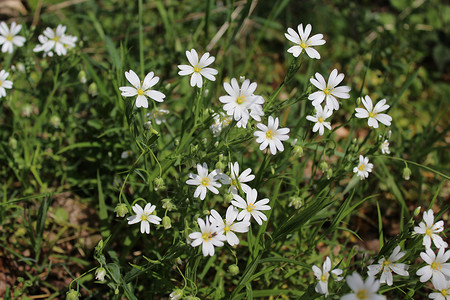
pixel 197 69
pixel 140 92
pixel 250 207
pixel 436 266
pixel 371 115
pixel 320 120
pixel 361 167
pixel 205 181
pixel 240 99
pixel 227 228
pixel 1 82
pixel 444 292
pixel 144 217
pixel 9 37
pixel 327 91
pixel 428 231
pixel 303 45
pixel 362 294
pixel 234 183
pixel 323 278
pixel 270 134
pixel 386 263
pixel 56 39
pixel 207 236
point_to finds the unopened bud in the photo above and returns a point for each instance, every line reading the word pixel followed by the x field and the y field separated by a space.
pixel 167 204
pixel 228 197
pixel 166 222
pixel 417 211
pixel 159 184
pixel 298 150
pixel 82 76
pixel 92 89
pixel 121 210
pixel 406 173
pixel 13 143
pixel 192 298
pixel 241 79
pixel 358 101
pixel 72 295
pixel 329 173
pixel 100 274
pixel 295 201
pixel 233 270
pixel 176 294
pixel 220 166
pixel 323 166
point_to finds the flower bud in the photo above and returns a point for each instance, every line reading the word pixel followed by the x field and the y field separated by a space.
pixel 13 143
pixel 100 274
pixel 298 150
pixel 82 76
pixel 72 295
pixel 176 294
pixel 220 166
pixel 358 101
pixel 323 166
pixel 241 79
pixel 167 204
pixel 233 270
pixel 192 298
pixel 159 184
pixel 92 89
pixel 55 121
pixel 406 173
pixel 295 201
pixel 417 211
pixel 121 210
pixel 228 197
pixel 329 173
pixel 166 222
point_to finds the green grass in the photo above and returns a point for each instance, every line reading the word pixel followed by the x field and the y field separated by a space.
pixel 62 141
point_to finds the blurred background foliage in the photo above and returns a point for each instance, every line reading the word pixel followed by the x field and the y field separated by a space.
pixel 62 139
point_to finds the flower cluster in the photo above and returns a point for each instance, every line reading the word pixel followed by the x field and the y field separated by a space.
pixel 55 40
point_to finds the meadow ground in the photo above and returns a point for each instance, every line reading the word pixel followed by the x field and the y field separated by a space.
pixel 116 185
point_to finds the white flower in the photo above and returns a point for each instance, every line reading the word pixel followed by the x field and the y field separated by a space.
pixel 362 290
pixel 159 115
pixel 363 168
pixel 373 113
pixel 329 91
pixel 100 274
pixel 444 291
pixel 229 226
pixel 56 41
pixel 144 216
pixel 9 37
pixel 251 207
pixel 323 275
pixel 198 68
pixel 208 237
pixel 240 100
pixel 255 111
pixel 221 120
pixel 321 115
pixel 385 147
pixel 237 181
pixel 4 84
pixel 142 89
pixel 437 268
pixel 430 229
pixel 302 41
pixel 204 181
pixel 387 266
pixel 271 136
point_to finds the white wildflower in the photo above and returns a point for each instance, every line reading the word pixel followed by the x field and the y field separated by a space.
pixel 329 90
pixel 304 42
pixel 142 88
pixel 387 266
pixel 198 68
pixel 271 136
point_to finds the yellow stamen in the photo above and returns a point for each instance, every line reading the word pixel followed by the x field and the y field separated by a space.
pixel 323 278
pixel 270 134
pixel 207 236
pixel 386 263
pixel 205 181
pixel 227 228
pixel 303 45
pixel 361 167
pixel 140 92
pixel 234 183
pixel 320 120
pixel 240 99
pixel 428 231
pixel 445 292
pixel 362 294
pixel 9 38
pixel 250 207
pixel 197 69
pixel 436 266
pixel 144 217
pixel 327 91
pixel 56 39
pixel 371 115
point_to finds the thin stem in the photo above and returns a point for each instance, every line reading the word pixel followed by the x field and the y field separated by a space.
pixel 141 39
